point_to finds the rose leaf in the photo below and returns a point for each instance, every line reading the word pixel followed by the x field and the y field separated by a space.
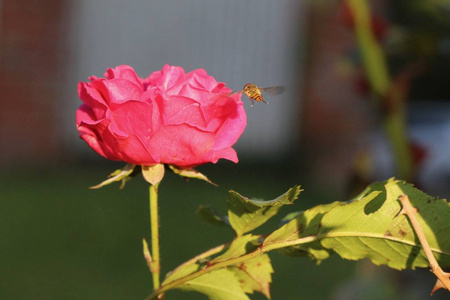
pixel 248 214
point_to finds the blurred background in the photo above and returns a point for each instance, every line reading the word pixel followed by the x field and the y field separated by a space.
pixel 367 98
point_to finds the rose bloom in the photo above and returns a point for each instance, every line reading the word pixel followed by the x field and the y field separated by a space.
pixel 171 117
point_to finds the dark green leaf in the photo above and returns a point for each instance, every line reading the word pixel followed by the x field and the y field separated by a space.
pixel 246 214
pixel 208 215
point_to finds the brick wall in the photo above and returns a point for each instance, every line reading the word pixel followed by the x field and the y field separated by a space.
pixel 32 55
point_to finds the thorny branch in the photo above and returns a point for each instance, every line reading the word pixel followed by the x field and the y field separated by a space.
pixel 443 280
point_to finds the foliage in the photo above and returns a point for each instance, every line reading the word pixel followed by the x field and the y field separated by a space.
pixel 368 226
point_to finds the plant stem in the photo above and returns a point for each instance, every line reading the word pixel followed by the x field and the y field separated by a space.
pixel 226 263
pixel 203 271
pixel 203 255
pixel 410 211
pixel 261 250
pixel 384 89
pixel 154 224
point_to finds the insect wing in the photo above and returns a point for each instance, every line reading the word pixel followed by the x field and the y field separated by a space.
pixel 273 90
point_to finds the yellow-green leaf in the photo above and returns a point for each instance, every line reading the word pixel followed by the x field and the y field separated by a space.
pixel 240 246
pixel 255 275
pixel 371 228
pixel 220 284
pixel 305 224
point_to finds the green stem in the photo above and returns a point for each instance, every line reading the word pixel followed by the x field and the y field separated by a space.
pixel 203 255
pixel 261 250
pixel 233 261
pixel 411 212
pixel 376 68
pixel 154 224
pixel 164 288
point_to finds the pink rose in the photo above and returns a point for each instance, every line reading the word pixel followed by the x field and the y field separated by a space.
pixel 170 117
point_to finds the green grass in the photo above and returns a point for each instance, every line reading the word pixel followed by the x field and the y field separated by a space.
pixel 61 240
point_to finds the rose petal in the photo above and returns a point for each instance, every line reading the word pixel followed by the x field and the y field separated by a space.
pixel 169 77
pixel 103 141
pixel 92 98
pixel 133 118
pixel 221 88
pixel 85 114
pixel 232 128
pixel 118 90
pixel 181 145
pixel 227 153
pixel 198 94
pixel 203 80
pixel 217 111
pixel 124 72
pixel 170 117
pixel 181 110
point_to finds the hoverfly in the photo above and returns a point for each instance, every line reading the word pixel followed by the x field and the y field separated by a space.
pixel 254 93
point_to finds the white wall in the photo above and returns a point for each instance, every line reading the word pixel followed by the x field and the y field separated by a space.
pixel 235 41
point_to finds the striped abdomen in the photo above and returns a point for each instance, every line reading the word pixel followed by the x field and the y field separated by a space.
pixel 253 92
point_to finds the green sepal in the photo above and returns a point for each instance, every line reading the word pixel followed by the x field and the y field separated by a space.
pixel 118 175
pixel 190 173
pixel 247 214
pixel 153 174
